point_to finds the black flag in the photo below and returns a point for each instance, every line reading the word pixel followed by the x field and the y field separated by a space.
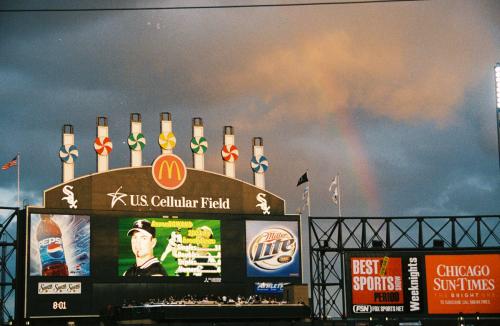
pixel 302 179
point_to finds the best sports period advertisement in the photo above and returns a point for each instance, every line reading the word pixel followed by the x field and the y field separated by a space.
pixel 169 247
pixel 273 249
pixel 385 283
pixel 60 245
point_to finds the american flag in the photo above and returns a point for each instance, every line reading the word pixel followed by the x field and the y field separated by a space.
pixel 10 163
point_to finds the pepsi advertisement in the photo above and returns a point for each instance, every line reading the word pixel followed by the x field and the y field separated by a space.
pixel 60 245
pixel 272 249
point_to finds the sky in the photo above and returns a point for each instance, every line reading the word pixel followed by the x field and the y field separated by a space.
pixel 397 98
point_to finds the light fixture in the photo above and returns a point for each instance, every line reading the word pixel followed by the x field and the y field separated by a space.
pixel 438 243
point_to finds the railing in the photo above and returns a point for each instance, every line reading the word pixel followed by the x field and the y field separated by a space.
pixel 330 237
pixel 8 218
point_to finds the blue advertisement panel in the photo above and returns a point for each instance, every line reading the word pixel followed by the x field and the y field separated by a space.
pixel 269 287
pixel 60 245
pixel 272 249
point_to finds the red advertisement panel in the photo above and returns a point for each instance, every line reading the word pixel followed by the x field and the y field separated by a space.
pixel 463 283
pixel 377 281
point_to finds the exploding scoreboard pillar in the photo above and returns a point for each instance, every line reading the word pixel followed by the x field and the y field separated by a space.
pixel 137 233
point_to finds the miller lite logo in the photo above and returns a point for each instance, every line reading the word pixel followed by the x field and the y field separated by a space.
pixel 169 171
pixel 272 249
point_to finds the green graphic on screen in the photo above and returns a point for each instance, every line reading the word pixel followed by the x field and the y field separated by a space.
pixel 169 247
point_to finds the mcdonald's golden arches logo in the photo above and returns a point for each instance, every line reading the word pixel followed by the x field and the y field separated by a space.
pixel 169 171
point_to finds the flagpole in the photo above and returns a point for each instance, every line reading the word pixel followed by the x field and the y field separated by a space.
pixel 302 180
pixel 308 200
pixel 338 179
pixel 18 179
pixel 308 217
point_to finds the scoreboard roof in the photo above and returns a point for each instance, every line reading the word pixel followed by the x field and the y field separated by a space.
pixel 136 189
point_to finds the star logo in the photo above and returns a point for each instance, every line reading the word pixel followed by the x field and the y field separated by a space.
pixel 117 196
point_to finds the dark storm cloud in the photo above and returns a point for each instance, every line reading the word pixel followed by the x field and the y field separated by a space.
pixel 437 171
pixel 420 139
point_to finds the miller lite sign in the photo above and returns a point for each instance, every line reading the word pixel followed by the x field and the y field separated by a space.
pixel 272 249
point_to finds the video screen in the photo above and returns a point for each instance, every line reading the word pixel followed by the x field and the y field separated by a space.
pixel 59 245
pixel 272 249
pixel 169 247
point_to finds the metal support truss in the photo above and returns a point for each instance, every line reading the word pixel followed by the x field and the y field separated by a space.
pixel 330 237
pixel 8 218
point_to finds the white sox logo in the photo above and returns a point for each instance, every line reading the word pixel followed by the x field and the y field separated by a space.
pixel 263 204
pixel 272 248
pixel 70 196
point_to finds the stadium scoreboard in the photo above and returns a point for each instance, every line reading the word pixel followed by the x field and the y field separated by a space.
pixel 114 237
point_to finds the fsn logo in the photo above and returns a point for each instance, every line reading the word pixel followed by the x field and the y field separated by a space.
pixel 362 309
pixel 169 171
pixel 272 248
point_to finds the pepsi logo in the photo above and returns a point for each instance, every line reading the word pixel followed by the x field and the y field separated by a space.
pixel 55 250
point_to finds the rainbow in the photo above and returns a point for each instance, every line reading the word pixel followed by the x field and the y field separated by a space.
pixel 362 170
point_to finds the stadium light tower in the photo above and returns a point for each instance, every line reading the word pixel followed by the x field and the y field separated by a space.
pixel 497 88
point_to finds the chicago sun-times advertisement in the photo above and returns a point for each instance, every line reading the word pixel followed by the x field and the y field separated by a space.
pixel 272 249
pixel 385 283
pixel 463 283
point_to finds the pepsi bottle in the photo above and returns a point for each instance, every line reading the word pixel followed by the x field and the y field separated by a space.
pixel 48 235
